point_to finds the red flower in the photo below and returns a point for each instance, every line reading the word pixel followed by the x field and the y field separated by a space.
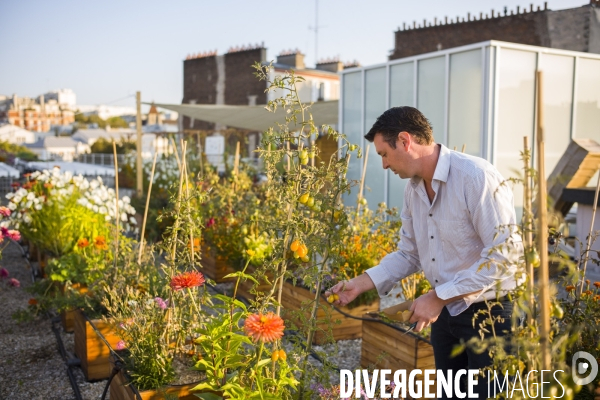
pixel 210 222
pixel 83 242
pixel 32 301
pixel 264 327
pixel 187 280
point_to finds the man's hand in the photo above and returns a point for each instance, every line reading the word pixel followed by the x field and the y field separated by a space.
pixel 426 310
pixel 349 290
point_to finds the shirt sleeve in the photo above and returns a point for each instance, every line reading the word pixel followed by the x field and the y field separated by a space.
pixel 401 263
pixel 490 203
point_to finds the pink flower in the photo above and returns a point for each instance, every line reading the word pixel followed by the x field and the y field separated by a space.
pixel 14 283
pixel 3 273
pixel 5 211
pixel 4 231
pixel 210 222
pixel 162 304
pixel 121 345
pixel 14 235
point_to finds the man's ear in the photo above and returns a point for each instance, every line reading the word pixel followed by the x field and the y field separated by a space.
pixel 404 140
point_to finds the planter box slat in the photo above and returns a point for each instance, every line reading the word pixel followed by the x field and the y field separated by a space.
pixel 407 352
pixel 121 390
pixel 293 297
pixel 214 267
pixel 90 349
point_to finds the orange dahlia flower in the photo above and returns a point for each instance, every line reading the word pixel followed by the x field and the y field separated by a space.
pixel 187 280
pixel 264 327
pixel 83 242
pixel 100 243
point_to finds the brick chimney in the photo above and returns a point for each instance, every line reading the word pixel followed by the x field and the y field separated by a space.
pixel 330 65
pixel 294 59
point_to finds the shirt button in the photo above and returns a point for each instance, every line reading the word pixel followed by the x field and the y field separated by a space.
pixel 386 293
pixel 433 259
pixel 436 280
pixel 432 237
pixel 431 215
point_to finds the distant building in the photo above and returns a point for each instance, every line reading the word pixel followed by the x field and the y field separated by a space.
pixel 104 111
pixel 576 29
pixel 64 97
pixel 13 134
pixel 58 148
pixel 37 115
pixel 228 79
pixel 151 143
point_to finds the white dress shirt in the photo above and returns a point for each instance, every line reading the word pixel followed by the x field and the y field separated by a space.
pixel 465 240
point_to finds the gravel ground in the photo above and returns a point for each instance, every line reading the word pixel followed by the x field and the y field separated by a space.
pixel 30 363
pixel 31 366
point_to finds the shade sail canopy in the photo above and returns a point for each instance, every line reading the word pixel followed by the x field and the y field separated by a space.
pixel 254 118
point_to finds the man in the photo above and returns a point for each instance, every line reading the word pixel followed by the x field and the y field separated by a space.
pixel 458 226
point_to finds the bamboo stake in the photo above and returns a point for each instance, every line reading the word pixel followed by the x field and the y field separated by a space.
pixel 464 147
pixel 117 213
pixel 176 154
pixel 527 230
pixel 176 226
pixel 542 237
pixel 141 250
pixel 454 148
pixel 236 160
pixel 362 179
pixel 589 238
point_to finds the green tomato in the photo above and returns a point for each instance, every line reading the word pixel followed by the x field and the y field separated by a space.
pixel 533 258
pixel 363 201
pixel 352 147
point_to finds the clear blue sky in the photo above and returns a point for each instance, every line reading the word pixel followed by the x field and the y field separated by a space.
pixel 106 50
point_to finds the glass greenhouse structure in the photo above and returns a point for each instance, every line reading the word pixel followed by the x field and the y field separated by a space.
pixel 481 96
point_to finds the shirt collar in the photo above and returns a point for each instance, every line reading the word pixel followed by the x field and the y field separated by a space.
pixel 442 167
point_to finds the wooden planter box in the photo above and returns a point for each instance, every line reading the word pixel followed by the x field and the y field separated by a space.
pixel 120 389
pixel 215 267
pixel 91 349
pixel 293 297
pixel 67 317
pixel 388 347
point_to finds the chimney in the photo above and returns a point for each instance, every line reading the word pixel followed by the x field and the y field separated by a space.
pixel 294 59
pixel 331 66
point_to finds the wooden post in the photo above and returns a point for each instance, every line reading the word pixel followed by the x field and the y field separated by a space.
pixel 117 213
pixel 528 228
pixel 146 210
pixel 586 256
pixel 138 164
pixel 236 160
pixel 542 237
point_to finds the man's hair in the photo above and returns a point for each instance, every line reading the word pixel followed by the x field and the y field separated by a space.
pixel 401 119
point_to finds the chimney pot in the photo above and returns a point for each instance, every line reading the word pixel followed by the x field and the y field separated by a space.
pixel 468 16
pixel 531 7
pixel 493 13
pixel 414 24
pixel 545 5
pixel 446 19
pixel 404 25
pixel 539 8
pixel 435 21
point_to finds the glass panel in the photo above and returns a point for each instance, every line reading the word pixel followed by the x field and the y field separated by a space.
pixel 431 93
pixel 402 85
pixel 464 120
pixel 351 124
pixel 375 92
pixel 401 94
pixel 558 97
pixel 516 110
pixel 587 113
pixel 587 120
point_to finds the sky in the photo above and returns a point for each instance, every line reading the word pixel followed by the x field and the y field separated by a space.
pixel 107 50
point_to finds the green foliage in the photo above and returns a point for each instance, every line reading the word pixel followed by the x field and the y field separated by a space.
pixel 10 151
pixel 105 146
pixel 114 122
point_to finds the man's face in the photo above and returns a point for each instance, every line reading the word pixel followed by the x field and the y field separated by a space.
pixel 396 159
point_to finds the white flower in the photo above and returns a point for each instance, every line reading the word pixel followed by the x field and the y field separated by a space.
pixel 103 210
pixel 133 221
pixel 107 218
pixel 31 196
pixel 124 217
pixel 27 218
pixel 21 192
pixel 12 206
pixel 95 208
pixel 28 204
pixel 38 207
pixel 10 195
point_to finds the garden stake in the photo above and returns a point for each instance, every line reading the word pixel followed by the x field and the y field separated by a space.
pixel 146 210
pixel 527 231
pixel 176 225
pixel 362 180
pixel 236 160
pixel 589 238
pixel 118 214
pixel 176 154
pixel 543 233
pixel 464 148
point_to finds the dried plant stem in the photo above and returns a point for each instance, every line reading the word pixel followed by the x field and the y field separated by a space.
pixel 528 231
pixel 178 205
pixel 362 180
pixel 543 234
pixel 118 214
pixel 151 178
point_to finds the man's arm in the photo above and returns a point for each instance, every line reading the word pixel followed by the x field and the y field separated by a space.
pixel 391 269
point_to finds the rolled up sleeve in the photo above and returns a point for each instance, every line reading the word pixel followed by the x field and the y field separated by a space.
pixel 401 263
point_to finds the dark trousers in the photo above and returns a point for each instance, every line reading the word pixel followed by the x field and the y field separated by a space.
pixel 448 331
